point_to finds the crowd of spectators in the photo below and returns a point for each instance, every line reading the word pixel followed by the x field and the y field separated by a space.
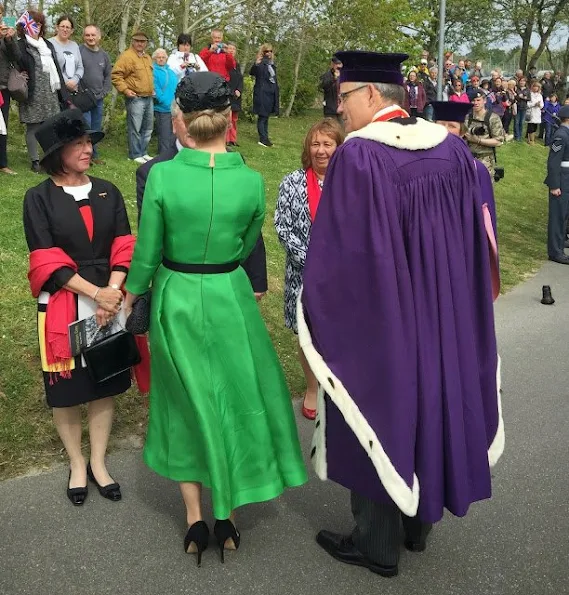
pixel 60 73
pixel 516 99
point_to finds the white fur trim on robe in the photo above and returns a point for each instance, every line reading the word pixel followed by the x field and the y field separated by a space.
pixel 406 498
pixel 412 137
pixel 498 444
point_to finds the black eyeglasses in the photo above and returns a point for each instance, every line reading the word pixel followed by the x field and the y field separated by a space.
pixel 346 94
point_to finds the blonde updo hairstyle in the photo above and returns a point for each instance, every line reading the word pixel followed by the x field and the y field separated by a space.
pixel 208 124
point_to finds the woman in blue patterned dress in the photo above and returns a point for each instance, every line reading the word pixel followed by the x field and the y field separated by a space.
pixel 299 194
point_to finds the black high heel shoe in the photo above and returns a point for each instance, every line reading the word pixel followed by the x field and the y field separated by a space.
pixel 110 492
pixel 197 534
pixel 224 530
pixel 77 496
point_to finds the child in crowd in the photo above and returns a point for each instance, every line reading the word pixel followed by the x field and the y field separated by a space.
pixel 550 118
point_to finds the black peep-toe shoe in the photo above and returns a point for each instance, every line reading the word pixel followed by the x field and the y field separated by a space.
pixel 77 496
pixel 110 492
pixel 224 530
pixel 197 534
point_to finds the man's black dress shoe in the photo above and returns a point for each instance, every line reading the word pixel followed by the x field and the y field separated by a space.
pixel 343 549
pixel 560 259
pixel 419 545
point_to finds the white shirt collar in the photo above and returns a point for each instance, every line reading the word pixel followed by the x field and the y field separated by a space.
pixel 179 145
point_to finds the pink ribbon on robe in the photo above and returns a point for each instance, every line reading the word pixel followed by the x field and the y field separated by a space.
pixel 493 247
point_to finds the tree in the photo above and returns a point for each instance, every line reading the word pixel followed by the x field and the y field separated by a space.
pixel 472 21
pixel 526 17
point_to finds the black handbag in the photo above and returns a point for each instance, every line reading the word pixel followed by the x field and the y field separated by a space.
pixel 138 321
pixel 83 99
pixel 111 356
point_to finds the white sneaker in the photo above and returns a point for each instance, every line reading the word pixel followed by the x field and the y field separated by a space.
pixel 140 160
pixel 147 157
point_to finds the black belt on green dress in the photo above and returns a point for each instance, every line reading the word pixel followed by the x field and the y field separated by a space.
pixel 200 269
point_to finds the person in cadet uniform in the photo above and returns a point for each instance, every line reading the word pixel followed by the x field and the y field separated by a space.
pixel 485 132
pixel 557 181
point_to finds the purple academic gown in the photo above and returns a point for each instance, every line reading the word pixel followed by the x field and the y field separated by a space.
pixel 396 320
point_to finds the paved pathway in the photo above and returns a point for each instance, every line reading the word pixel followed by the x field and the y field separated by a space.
pixel 517 543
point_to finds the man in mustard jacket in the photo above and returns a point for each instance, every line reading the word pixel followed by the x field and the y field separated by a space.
pixel 132 76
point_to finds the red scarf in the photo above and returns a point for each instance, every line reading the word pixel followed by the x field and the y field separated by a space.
pixel 396 112
pixel 314 192
pixel 62 309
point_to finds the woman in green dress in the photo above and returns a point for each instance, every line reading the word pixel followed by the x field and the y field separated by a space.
pixel 220 411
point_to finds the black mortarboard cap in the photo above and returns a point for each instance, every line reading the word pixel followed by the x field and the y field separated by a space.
pixel 371 67
pixel 450 111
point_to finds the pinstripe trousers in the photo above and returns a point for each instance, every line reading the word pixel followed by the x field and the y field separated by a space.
pixel 377 534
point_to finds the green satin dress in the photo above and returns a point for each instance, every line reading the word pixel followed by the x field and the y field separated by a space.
pixel 220 409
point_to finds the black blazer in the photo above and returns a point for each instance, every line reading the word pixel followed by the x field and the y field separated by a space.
pixel 266 97
pixel 255 264
pixel 52 219
pixel 236 84
pixel 329 86
pixel 26 63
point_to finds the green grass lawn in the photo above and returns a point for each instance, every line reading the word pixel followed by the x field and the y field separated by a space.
pixel 27 436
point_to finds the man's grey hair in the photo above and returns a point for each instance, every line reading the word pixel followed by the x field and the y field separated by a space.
pixel 94 27
pixel 390 92
pixel 433 69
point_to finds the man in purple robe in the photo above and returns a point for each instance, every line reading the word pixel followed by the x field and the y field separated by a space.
pixel 396 320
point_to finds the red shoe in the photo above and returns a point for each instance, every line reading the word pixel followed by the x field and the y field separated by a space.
pixel 308 413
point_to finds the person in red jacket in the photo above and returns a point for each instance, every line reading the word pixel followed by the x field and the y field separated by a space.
pixel 216 57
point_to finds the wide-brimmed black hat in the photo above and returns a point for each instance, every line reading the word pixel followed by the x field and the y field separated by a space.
pixel 203 90
pixel 62 129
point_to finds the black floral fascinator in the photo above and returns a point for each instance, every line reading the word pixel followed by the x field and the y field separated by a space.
pixel 62 129
pixel 203 90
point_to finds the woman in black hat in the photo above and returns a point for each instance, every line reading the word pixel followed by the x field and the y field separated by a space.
pixel 220 411
pixel 80 245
